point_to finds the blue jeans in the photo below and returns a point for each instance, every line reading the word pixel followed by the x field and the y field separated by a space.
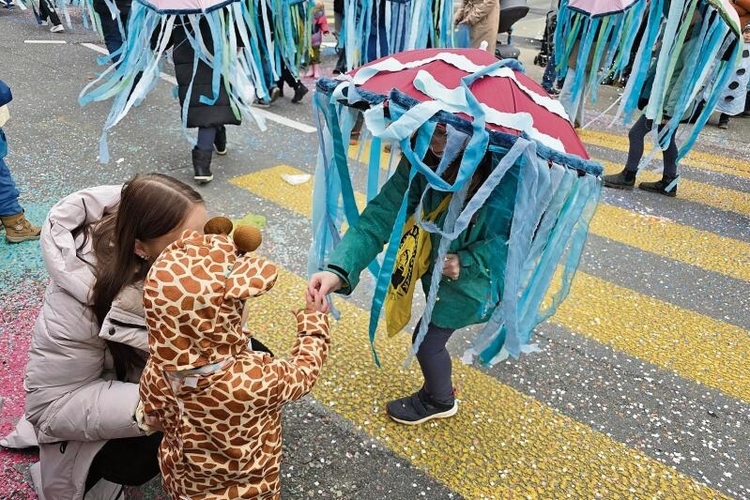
pixel 550 76
pixel 8 193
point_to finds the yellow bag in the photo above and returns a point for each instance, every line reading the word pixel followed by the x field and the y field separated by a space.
pixel 412 261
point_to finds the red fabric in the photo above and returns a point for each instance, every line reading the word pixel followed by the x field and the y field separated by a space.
pixel 498 93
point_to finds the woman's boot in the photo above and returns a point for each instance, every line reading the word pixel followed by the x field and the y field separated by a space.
pixel 202 166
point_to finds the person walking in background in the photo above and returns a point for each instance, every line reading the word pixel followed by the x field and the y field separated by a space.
pixel 48 15
pixel 17 226
pixel 667 185
pixel 483 19
pixel 209 119
pixel 338 19
pixel 319 28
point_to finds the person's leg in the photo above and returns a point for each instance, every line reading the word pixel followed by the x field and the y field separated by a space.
pixel 667 185
pixel 435 399
pixel 206 138
pixel 550 76
pixel 724 121
pixel 128 461
pixel 110 27
pixel 8 192
pixel 636 138
pixel 202 153
pixel 435 362
pixel 47 11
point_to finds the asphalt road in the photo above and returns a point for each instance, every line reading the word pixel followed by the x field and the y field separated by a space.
pixel 641 389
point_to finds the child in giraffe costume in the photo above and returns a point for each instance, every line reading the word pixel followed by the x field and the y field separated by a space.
pixel 219 402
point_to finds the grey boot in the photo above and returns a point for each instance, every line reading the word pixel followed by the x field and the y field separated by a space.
pixel 202 166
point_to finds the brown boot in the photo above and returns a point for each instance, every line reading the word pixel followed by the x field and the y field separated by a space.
pixel 18 228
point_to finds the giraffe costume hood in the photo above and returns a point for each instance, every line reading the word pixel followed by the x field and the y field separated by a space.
pixel 218 401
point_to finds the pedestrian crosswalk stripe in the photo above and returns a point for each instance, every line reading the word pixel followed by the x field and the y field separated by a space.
pixel 710 195
pixel 655 329
pixel 501 443
pixel 694 346
pixel 669 239
pixel 698 159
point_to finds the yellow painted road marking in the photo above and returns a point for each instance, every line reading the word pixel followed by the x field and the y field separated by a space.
pixel 695 346
pixel 706 194
pixel 697 159
pixel 501 444
pixel 653 234
pixel 674 241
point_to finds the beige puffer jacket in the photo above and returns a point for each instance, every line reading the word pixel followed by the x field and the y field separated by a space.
pixel 72 398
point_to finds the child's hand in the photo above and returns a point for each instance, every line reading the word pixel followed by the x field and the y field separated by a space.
pixel 451 266
pixel 321 284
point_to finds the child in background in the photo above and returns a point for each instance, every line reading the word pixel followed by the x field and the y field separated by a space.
pixel 218 401
pixel 17 227
pixel 319 28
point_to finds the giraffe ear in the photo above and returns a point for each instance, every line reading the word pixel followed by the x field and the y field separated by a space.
pixel 218 225
pixel 250 277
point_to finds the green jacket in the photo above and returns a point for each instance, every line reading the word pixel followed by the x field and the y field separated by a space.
pixel 481 248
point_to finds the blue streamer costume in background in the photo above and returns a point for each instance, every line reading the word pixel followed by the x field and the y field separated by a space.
pixel 605 43
pixel 378 28
pixel 556 197
pixel 246 54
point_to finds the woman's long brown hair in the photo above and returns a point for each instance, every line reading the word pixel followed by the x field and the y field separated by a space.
pixel 151 206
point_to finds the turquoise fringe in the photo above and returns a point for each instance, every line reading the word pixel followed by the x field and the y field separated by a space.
pixel 605 43
pixel 246 59
pixel 557 195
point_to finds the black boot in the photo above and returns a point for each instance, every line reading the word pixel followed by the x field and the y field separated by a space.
pixel 202 166
pixel 623 180
pixel 220 142
pixel 299 92
pixel 660 187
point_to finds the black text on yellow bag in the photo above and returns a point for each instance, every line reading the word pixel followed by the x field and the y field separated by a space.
pixel 412 261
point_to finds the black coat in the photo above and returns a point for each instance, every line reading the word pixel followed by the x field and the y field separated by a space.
pixel 199 114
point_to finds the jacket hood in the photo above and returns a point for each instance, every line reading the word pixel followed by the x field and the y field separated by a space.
pixel 194 296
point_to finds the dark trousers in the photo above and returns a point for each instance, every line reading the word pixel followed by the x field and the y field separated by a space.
pixel 128 461
pixel 48 13
pixel 637 136
pixel 435 362
pixel 287 77
pixel 113 37
pixel 206 138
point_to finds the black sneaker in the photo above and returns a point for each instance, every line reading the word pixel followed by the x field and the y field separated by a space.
pixel 623 180
pixel 419 408
pixel 660 187
pixel 299 92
